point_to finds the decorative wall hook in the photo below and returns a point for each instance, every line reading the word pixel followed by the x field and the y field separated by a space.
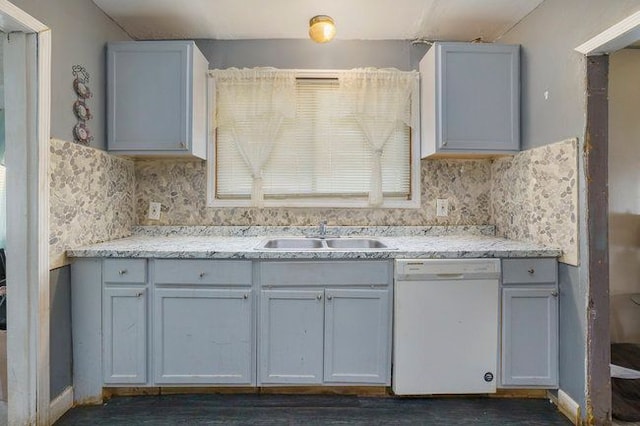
pixel 81 133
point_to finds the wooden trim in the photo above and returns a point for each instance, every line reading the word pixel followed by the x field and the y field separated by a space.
pixel 614 38
pixel 18 20
pixel 28 334
pixel 21 335
pixel 567 406
pixel 40 202
pixel 598 401
pixel 60 405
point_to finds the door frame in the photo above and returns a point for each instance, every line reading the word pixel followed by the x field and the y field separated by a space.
pixel 27 238
pixel 598 354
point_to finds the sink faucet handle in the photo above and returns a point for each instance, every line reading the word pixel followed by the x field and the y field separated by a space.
pixel 322 227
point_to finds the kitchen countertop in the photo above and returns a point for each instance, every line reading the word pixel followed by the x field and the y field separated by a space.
pixel 430 242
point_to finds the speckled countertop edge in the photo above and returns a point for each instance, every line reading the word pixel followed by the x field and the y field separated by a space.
pixel 248 247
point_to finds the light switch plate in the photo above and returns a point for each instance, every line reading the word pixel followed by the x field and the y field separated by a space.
pixel 154 211
pixel 442 207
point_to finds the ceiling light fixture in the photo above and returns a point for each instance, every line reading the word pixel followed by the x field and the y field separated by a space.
pixel 322 28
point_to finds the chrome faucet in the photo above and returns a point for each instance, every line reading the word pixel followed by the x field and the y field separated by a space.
pixel 322 229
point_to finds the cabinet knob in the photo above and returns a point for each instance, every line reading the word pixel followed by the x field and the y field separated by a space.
pixel 329 297
pixel 245 296
pixel 140 293
pixel 183 145
pixel 554 293
pixel 319 297
pixel 122 271
pixel 202 274
pixel 531 271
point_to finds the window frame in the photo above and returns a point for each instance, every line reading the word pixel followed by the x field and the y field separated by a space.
pixel 317 202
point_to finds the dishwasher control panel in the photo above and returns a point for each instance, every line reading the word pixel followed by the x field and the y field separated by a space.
pixel 412 269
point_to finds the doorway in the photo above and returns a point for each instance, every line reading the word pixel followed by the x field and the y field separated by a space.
pixel 601 248
pixel 624 231
pixel 26 47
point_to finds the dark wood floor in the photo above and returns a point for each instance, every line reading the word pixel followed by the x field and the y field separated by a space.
pixel 313 410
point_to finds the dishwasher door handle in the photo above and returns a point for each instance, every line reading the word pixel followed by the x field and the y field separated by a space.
pixel 451 276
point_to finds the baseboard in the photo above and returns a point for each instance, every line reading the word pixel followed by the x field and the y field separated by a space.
pixel 284 390
pixel 60 405
pixel 568 407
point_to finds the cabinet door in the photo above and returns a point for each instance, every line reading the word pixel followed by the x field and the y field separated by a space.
pixel 202 335
pixel 357 339
pixel 148 96
pixel 477 97
pixel 124 342
pixel 291 336
pixel 530 336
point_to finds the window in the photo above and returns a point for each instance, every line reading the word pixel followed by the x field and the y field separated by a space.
pixel 319 157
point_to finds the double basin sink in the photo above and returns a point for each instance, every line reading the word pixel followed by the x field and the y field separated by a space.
pixel 322 244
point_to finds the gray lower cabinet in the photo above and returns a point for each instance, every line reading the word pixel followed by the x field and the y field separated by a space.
pixel 124 321
pixel 125 335
pixel 203 318
pixel 529 355
pixel 325 322
pixel 331 336
pixel 356 336
pixel 291 336
pixel 202 335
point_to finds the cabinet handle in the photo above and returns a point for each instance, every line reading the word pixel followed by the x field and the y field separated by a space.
pixel 554 293
pixel 319 297
pixel 531 271
pixel 122 271
pixel 329 297
pixel 245 296
pixel 202 274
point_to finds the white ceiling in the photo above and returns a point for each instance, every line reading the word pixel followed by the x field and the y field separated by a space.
pixel 460 20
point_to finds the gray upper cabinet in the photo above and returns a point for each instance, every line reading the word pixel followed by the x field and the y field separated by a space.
pixel 529 323
pixel 156 98
pixel 356 336
pixel 470 99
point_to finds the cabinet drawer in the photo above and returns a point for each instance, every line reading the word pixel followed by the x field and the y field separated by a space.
pixel 515 271
pixel 125 271
pixel 364 272
pixel 183 271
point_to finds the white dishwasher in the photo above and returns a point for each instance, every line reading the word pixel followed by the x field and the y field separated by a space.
pixel 445 326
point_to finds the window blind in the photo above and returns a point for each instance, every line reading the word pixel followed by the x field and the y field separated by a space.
pixel 321 153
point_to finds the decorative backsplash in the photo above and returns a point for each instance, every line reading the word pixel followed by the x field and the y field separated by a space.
pixel 531 196
pixel 91 198
pixel 181 188
pixel 534 197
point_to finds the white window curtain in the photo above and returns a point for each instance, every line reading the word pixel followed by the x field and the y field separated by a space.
pixel 253 104
pixel 381 99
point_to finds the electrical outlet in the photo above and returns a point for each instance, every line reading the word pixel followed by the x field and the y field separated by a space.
pixel 154 211
pixel 442 207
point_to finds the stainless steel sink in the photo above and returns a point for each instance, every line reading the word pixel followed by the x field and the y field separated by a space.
pixel 322 244
pixel 294 243
pixel 355 243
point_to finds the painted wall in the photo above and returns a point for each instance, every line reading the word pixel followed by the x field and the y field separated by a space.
pixel 79 32
pixel 60 330
pixel 304 54
pixel 624 194
pixel 548 36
